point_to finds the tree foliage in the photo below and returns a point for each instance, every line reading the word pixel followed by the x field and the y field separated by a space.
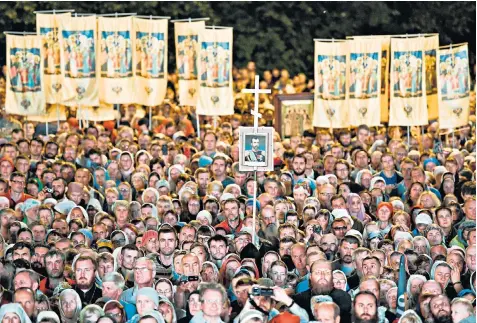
pixel 279 34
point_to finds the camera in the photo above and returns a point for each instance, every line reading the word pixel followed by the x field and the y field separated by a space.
pixel 185 279
pixel 48 188
pixel 261 291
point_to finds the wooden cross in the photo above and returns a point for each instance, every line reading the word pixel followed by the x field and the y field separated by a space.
pixel 256 91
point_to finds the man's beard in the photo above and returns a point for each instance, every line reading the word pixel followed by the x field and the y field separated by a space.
pixel 321 289
pixel 55 275
pixel 299 174
pixel 359 320
pixel 85 286
pixel 443 318
pixel 58 196
pixel 50 156
pixel 349 259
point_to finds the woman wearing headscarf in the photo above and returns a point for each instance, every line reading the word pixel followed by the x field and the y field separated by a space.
pixel 384 215
pixel 69 304
pixel 192 307
pixel 414 284
pixel 126 165
pixel 363 178
pixel 91 314
pixel 9 312
pixel 356 208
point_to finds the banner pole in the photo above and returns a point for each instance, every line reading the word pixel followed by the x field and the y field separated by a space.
pixel 408 134
pixel 150 118
pixel 254 236
pixel 198 125
pixel 58 116
pixel 46 126
pixel 119 115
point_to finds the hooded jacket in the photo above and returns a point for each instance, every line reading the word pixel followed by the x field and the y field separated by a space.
pixel 163 300
pixel 459 238
pixel 85 215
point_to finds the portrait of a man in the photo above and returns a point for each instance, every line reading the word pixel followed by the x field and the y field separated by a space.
pixel 255 154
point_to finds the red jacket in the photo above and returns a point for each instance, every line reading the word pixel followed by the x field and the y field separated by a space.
pixel 225 225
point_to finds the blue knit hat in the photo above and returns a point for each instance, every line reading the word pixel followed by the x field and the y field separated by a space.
pixel 205 161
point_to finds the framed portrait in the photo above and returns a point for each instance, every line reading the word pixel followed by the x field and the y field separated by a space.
pixel 256 149
pixel 293 114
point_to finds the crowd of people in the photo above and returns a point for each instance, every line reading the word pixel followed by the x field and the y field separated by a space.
pixel 116 224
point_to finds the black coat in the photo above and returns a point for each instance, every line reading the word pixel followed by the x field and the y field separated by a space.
pixel 340 297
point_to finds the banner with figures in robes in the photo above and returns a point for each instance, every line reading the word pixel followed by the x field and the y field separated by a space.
pixel 431 45
pixel 78 43
pixel 115 59
pixel 187 59
pixel 385 52
pixel 453 85
pixel 331 89
pixel 54 112
pixel 49 27
pixel 150 61
pixel 408 82
pixel 215 72
pixel 364 82
pixel 25 85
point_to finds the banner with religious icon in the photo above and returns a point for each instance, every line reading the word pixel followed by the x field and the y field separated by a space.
pixel 115 60
pixel 78 44
pixel 408 82
pixel 431 45
pixel 150 61
pixel 48 26
pixel 385 41
pixel 331 89
pixel 25 85
pixel 215 72
pixel 364 82
pixel 187 60
pixel 453 84
pixel 53 113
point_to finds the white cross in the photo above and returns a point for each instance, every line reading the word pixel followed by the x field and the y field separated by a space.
pixel 256 91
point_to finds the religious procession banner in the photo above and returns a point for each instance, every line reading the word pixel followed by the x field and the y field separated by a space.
pixel 187 60
pixel 364 82
pixel 25 85
pixel 115 56
pixel 150 61
pixel 53 113
pixel 331 89
pixel 103 112
pixel 431 45
pixel 48 26
pixel 453 85
pixel 385 41
pixel 408 83
pixel 215 72
pixel 78 44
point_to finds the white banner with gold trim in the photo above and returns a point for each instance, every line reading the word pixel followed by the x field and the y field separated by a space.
pixel 103 112
pixel 150 61
pixel 49 27
pixel 408 83
pixel 431 44
pixel 364 82
pixel 331 90
pixel 453 85
pixel 54 112
pixel 115 59
pixel 25 85
pixel 78 44
pixel 187 59
pixel 215 72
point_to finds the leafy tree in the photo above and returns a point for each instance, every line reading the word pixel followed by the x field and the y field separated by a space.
pixel 279 34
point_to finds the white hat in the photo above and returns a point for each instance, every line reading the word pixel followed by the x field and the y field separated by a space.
pixel 356 234
pixel 439 170
pixel 342 213
pixel 205 214
pixel 226 196
pixel 423 218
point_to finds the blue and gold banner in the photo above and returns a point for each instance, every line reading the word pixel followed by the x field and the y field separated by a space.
pixel 453 84
pixel 408 82
pixel 25 85
pixel 78 44
pixel 115 59
pixel 364 82
pixel 431 45
pixel 331 88
pixel 49 27
pixel 215 72
pixel 187 60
